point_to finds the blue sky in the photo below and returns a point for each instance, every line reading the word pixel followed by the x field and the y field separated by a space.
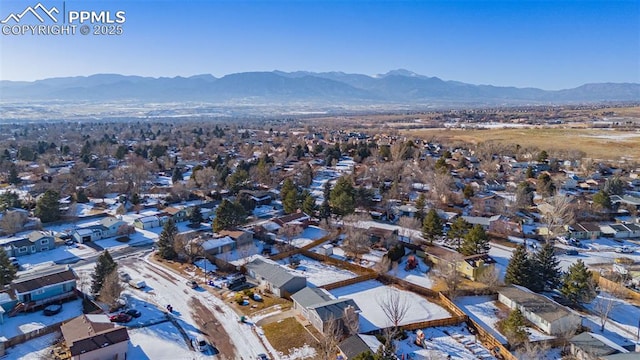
pixel 545 44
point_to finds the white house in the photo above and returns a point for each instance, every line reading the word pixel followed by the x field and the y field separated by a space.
pixel 107 227
pixel 548 315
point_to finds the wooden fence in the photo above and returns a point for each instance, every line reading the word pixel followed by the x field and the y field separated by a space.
pixel 341 283
pixel 361 270
pixel 609 285
pixel 19 339
pixel 454 320
pixel 388 279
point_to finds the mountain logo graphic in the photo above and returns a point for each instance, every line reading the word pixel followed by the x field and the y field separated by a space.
pixel 33 10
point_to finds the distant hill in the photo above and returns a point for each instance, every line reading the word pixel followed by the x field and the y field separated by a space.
pixel 397 86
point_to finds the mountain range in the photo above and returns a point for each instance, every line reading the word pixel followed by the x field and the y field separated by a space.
pixel 397 87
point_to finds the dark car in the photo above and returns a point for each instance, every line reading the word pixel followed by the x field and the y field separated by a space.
pixel 121 318
pixel 571 252
pixel 262 357
pixel 52 309
pixel 133 313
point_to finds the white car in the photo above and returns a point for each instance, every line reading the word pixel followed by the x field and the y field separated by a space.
pixel 624 250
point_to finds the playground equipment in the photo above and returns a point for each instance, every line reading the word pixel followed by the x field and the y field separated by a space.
pixel 412 263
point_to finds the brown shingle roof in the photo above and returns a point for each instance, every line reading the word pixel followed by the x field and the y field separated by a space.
pixel 41 279
pixel 84 335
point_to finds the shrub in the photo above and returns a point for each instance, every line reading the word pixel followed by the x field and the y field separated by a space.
pixel 123 239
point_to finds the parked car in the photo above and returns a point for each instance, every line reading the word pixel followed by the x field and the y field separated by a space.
pixel 52 309
pixel 200 344
pixel 571 252
pixel 624 249
pixel 192 284
pixel 121 318
pixel 133 313
pixel 138 284
pixel 14 262
pixel 262 357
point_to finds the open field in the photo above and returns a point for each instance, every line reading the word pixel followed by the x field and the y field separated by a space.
pixel 596 143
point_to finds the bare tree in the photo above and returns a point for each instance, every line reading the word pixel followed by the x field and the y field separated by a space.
pixel 395 307
pixel 246 251
pixel 490 278
pixel 606 301
pixel 532 350
pixel 357 242
pixel 331 336
pixel 111 289
pixel 447 269
pixel 408 226
pixel 560 213
pixel 13 221
pixel 290 232
pixel 351 321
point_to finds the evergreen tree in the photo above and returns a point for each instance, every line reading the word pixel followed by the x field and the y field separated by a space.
pixel 548 266
pixel 458 231
pixel 342 197
pixel 545 186
pixel 468 191
pixel 48 207
pixel 104 266
pixel 513 327
pixel 517 272
pixel 14 179
pixel 602 200
pixel 475 241
pixel 309 204
pixel 167 239
pixel 176 176
pixel 431 226
pixel 9 199
pixel 135 199
pixel 195 216
pixel 228 215
pixel 578 284
pixel 7 270
pixel 289 196
pixel 530 174
pixel 421 202
pixel 614 186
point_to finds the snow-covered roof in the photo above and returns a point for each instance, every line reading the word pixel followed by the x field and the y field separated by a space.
pixel 217 243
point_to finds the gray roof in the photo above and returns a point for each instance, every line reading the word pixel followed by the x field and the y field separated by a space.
pixel 333 309
pixel 595 344
pixel 535 303
pixel 273 273
pixel 353 346
pixel 308 297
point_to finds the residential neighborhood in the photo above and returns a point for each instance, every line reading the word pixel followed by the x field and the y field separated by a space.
pixel 216 239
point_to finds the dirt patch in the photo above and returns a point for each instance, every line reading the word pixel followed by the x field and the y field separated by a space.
pixel 212 328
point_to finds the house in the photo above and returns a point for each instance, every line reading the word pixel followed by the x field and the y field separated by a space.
pixel 621 231
pixel 471 267
pixel 546 314
pixel 585 231
pixel 628 200
pixel 177 214
pixel 106 228
pixel 357 344
pixel 381 235
pixel 590 346
pixel 320 307
pixel 241 237
pixel 275 278
pixel 498 224
pixel 147 222
pixel 43 287
pixel 298 218
pixel 218 246
pixel 94 337
pixel 487 203
pixel 34 242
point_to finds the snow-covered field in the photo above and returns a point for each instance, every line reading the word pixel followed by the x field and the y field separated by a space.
pixel 622 325
pixel 317 273
pixel 161 341
pixel 369 295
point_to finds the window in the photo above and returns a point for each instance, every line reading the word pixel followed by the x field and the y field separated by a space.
pixel 44 248
pixel 23 249
pixel 39 292
pixel 44 241
pixel 33 248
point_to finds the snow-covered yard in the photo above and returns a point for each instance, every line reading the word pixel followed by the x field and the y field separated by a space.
pixel 454 341
pixel 622 325
pixel 26 322
pixel 483 309
pixel 317 273
pixel 160 341
pixel 34 349
pixel 307 236
pixel 369 295
pixel 419 276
